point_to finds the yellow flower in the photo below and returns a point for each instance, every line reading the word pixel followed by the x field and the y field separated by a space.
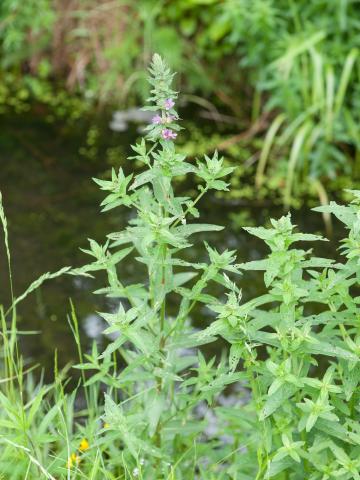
pixel 73 460
pixel 106 425
pixel 84 445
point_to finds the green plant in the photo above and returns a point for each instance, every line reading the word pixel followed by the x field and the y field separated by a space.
pixel 32 415
pixel 318 124
pixel 299 347
pixel 42 428
pixel 155 373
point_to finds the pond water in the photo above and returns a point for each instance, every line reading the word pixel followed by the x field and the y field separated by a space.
pixel 52 207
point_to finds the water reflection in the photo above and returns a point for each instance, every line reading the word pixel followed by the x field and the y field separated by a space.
pixel 93 326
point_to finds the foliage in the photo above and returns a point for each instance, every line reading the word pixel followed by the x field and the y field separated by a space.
pixel 302 420
pixel 293 63
pixel 156 417
pixel 153 405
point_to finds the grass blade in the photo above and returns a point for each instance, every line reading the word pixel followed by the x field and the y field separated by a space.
pixel 36 284
pixel 344 80
pixel 6 240
pixel 269 140
pixel 294 157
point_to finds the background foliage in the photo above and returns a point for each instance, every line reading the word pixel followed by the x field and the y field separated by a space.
pixel 287 68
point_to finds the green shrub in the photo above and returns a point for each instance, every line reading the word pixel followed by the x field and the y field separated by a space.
pixel 300 346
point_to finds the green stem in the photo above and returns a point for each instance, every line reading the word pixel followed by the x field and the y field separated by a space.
pixel 352 406
pixel 254 384
pixel 201 194
pixel 180 320
pixel 162 343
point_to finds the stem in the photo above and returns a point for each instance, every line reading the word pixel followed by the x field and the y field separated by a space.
pixel 201 194
pixel 161 344
pixel 163 306
pixel 257 399
pixel 352 406
pixel 180 320
pixel 75 328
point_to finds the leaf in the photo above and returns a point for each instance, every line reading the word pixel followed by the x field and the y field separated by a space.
pixel 344 79
pixel 191 340
pixel 120 255
pixel 142 339
pixel 334 429
pixel 113 413
pixel 343 213
pixel 236 350
pixel 261 232
pixel 278 466
pixel 181 278
pixel 294 157
pixel 143 178
pixel 275 401
pixel 220 381
pixel 351 379
pixel 324 348
pixel 216 328
pixel 318 262
pixel 254 265
pixel 307 237
pixel 113 346
pixel 154 408
pixel 186 230
pixel 265 338
pixel 36 405
pixel 268 142
pixel 296 50
pixel 117 421
pixel 48 419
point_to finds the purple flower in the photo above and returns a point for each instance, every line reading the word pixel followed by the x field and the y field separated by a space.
pixel 156 120
pixel 169 103
pixel 168 134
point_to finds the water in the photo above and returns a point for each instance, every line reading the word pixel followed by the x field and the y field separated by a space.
pixel 52 208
